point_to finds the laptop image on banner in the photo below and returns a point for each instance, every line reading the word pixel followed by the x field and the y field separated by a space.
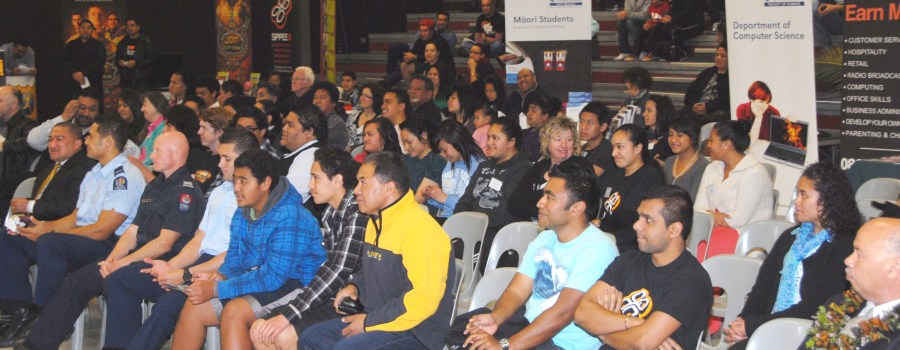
pixel 787 141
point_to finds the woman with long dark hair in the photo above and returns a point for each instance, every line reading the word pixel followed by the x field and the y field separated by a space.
pixel 129 110
pixel 623 188
pixel 462 104
pixel 806 264
pixel 379 135
pixel 456 146
pixel 495 92
pixel 417 137
pixel 685 168
pixel 371 96
pixel 658 114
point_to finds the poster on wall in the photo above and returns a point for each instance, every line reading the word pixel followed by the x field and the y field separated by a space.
pixel 108 18
pixel 870 127
pixel 233 42
pixel 534 28
pixel 772 83
pixel 276 33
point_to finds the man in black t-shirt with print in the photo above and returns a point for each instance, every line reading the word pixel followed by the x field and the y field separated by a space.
pixel 490 27
pixel 659 296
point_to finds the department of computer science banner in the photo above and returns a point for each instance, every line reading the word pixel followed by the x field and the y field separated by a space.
pixel 551 38
pixel 233 47
pixel 871 97
pixel 772 82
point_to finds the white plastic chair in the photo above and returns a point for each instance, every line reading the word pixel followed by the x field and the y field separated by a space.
pixel 760 236
pixel 879 190
pixel 700 231
pixel 771 170
pixel 469 227
pixel 212 338
pixel 705 130
pixel 23 190
pixel 736 276
pixel 780 333
pixel 460 273
pixel 516 236
pixel 491 286
pixel 76 341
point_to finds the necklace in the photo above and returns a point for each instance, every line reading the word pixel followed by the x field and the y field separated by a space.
pixel 684 169
pixel 829 320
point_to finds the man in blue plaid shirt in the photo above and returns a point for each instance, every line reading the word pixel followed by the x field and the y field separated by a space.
pixel 275 248
pixel 333 177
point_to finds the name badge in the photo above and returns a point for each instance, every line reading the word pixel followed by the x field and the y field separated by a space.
pixel 495 184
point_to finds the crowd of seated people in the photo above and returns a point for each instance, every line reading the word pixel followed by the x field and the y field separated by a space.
pixel 312 219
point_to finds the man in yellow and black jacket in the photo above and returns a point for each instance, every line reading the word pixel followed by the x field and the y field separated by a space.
pixel 402 283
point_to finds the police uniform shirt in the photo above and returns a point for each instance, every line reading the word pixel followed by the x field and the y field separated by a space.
pixel 116 186
pixel 175 203
pixel 216 223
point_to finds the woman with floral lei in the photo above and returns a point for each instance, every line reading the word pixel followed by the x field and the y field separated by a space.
pixel 865 317
pixel 805 265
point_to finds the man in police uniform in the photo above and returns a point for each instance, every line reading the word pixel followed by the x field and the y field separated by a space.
pixel 107 203
pixel 127 289
pixel 170 210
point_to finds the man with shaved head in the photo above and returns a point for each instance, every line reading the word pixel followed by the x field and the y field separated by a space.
pixel 527 89
pixel 873 270
pixel 13 142
pixel 170 210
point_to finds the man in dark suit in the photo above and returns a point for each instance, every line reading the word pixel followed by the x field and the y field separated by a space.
pixel 83 59
pixel 873 269
pixel 56 186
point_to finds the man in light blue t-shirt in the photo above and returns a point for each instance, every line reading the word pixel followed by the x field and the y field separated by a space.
pixel 559 266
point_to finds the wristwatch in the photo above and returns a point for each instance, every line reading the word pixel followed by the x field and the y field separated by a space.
pixel 504 343
pixel 187 277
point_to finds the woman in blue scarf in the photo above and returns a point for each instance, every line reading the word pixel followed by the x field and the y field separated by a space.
pixel 806 265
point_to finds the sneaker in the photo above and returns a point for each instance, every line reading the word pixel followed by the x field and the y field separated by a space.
pixel 630 58
pixel 648 57
pixel 642 55
pixel 621 56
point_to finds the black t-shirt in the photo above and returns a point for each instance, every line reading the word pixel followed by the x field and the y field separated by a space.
pixel 490 26
pixel 203 166
pixel 621 197
pixel 681 289
pixel 601 156
pixel 175 204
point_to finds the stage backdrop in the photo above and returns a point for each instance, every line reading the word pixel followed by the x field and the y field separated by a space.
pixel 552 38
pixel 770 43
pixel 233 41
pixel 108 17
pixel 871 95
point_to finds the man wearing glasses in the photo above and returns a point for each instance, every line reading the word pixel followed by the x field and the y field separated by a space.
pixel 254 121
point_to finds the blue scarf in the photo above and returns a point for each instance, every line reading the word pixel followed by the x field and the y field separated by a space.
pixel 805 244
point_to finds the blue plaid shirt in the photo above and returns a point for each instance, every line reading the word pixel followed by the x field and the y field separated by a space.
pixel 282 243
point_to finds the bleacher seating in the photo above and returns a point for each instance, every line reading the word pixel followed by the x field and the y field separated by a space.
pixel 669 78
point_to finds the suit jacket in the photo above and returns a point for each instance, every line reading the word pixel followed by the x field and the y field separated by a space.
pixel 61 194
pixel 17 154
pixel 892 344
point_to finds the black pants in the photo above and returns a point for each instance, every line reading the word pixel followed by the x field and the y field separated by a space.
pixel 455 337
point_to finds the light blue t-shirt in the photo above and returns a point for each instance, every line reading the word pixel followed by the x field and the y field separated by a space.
pixel 216 223
pixel 577 264
pixel 117 186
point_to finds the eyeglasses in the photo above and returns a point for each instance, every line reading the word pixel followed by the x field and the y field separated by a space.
pixel 367 96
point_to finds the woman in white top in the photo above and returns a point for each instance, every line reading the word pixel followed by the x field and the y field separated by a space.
pixel 735 188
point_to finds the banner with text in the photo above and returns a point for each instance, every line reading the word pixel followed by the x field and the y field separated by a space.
pixel 772 82
pixel 276 33
pixel 552 39
pixel 870 126
pixel 233 41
